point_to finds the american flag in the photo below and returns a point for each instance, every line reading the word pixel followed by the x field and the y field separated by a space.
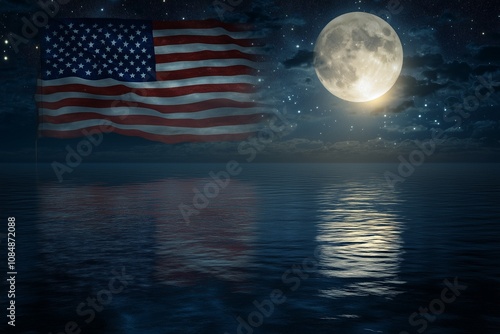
pixel 186 81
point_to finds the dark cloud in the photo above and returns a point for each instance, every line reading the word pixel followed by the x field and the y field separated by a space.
pixel 410 86
pixel 483 69
pixel 405 105
pixel 429 60
pixel 488 54
pixel 301 58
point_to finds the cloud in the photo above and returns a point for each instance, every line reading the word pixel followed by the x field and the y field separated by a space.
pixel 410 86
pixel 303 58
pixel 488 54
pixel 428 60
pixel 399 108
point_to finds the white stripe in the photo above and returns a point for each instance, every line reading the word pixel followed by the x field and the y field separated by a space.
pixel 121 111
pixel 185 48
pixel 250 79
pixel 185 65
pixel 132 97
pixel 155 129
pixel 207 32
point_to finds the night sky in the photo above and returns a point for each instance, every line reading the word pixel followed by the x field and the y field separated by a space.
pixel 451 52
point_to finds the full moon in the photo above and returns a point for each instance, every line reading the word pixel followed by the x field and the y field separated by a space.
pixel 358 57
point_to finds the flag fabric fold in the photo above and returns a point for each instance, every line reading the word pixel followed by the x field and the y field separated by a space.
pixel 188 81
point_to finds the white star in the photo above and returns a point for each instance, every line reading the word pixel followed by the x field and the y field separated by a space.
pixel 120 36
pixel 137 44
pixel 47 38
pixel 143 75
pixel 87 72
pixel 132 75
pixel 73 70
pixel 87 60
pixel 91 44
pixel 143 50
pixel 61 71
pixel 126 70
pixel 143 27
pixel 49 73
pixel 107 34
pixel 144 39
pixel 99 71
pixel 138 32
pixel 113 42
pixel 121 75
pixel 131 37
pixel 80 65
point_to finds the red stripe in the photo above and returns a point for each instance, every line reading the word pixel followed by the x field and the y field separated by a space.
pixel 205 55
pixel 168 139
pixel 149 92
pixel 153 120
pixel 181 108
pixel 205 72
pixel 206 24
pixel 191 39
